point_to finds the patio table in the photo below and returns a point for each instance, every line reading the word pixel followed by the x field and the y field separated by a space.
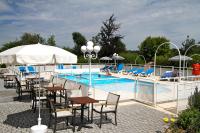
pixel 54 90
pixel 83 101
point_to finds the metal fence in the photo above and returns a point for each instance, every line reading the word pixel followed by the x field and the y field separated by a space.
pixel 171 95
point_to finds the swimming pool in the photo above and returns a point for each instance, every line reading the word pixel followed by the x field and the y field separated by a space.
pixel 126 88
pixel 97 79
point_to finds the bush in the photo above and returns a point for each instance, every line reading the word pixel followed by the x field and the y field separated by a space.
pixel 2 65
pixel 188 118
pixel 194 100
pixel 195 125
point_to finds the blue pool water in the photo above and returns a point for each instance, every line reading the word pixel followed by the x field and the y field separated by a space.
pixel 97 79
pixel 111 83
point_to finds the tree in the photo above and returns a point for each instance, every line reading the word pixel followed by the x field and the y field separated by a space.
pixel 51 41
pixel 25 39
pixel 150 44
pixel 108 38
pixel 187 43
pixel 31 38
pixel 68 49
pixel 79 40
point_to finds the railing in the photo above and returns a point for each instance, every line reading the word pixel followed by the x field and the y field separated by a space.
pixel 170 95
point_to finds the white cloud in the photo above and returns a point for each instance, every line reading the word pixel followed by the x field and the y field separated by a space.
pixel 4 7
pixel 139 18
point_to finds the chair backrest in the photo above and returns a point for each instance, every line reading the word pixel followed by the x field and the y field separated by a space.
pixel 120 67
pixel 22 68
pixel 149 71
pixel 133 69
pixel 74 67
pixel 31 69
pixel 18 85
pixel 140 70
pixel 112 99
pixel 60 66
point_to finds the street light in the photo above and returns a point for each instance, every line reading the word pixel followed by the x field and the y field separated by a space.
pixel 115 55
pixel 90 52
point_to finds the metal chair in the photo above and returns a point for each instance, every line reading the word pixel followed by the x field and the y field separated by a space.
pixel 110 106
pixel 77 92
pixel 20 89
pixel 43 98
pixel 60 113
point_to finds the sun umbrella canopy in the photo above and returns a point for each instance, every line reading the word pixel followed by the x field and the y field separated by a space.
pixel 37 54
pixel 118 57
pixel 177 58
pixel 105 58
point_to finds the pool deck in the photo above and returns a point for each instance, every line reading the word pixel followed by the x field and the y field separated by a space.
pixel 132 117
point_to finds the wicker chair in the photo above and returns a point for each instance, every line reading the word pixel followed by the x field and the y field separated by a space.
pixel 110 106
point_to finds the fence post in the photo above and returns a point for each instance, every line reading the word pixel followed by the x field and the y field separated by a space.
pixel 154 93
pixel 177 98
pixel 135 89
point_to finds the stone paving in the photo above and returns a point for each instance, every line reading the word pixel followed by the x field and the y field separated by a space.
pixel 17 117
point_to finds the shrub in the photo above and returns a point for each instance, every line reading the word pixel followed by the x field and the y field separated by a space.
pixel 195 125
pixel 3 65
pixel 187 118
pixel 194 100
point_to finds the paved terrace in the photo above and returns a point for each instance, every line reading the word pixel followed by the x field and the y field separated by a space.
pixel 17 117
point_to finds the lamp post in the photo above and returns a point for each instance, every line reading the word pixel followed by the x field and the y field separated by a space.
pixel 115 55
pixel 90 52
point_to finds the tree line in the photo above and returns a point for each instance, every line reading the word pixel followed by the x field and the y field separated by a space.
pixel 112 42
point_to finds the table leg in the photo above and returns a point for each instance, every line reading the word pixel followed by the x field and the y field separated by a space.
pixel 82 112
pixel 92 113
pixel 54 93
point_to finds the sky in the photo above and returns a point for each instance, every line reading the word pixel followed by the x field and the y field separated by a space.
pixel 174 19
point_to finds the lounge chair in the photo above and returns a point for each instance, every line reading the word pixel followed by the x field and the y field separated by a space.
pixel 22 69
pixel 120 68
pixel 60 66
pixel 167 74
pixel 31 70
pixel 170 75
pixel 74 67
pixel 148 72
pixel 131 70
pixel 104 68
pixel 111 68
pixel 138 71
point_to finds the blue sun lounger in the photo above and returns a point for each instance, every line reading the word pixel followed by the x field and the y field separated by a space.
pixel 22 69
pixel 104 68
pixel 31 70
pixel 138 71
pixel 60 66
pixel 120 68
pixel 148 72
pixel 134 69
pixel 167 74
